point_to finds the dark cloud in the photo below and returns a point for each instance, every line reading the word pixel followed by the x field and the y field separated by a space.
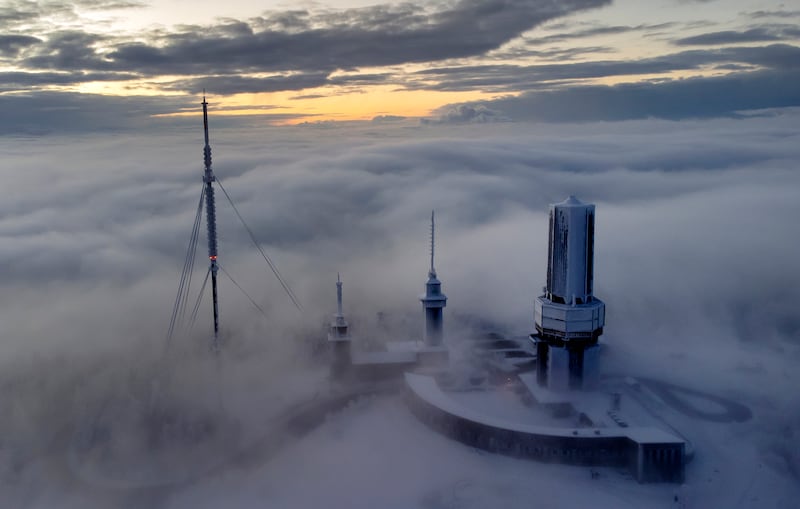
pixel 68 50
pixel 51 111
pixel 670 99
pixel 41 17
pixel 307 96
pixel 107 5
pixel 236 84
pixel 773 14
pixel 14 14
pixel 71 112
pixel 226 85
pixel 62 112
pixel 305 49
pixel 374 36
pixel 27 15
pixel 760 34
pixel 360 79
pixel 23 81
pixel 11 45
pixel 552 54
pixel 290 20
pixel 388 118
pixel 466 114
pixel 512 77
pixel 594 31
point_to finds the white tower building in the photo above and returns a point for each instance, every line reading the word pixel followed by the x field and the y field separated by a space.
pixel 433 301
pixel 339 334
pixel 568 318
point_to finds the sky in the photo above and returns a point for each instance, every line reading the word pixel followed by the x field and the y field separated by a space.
pixel 336 128
pixel 108 63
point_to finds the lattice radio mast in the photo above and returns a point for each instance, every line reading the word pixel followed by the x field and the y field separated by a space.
pixel 211 223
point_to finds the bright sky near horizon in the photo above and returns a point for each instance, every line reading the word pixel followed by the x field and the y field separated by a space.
pixel 360 59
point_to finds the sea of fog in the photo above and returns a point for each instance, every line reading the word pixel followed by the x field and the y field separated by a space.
pixel 697 253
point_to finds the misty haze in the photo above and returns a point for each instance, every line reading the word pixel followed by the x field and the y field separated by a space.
pixel 335 130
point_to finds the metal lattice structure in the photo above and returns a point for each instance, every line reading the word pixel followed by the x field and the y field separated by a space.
pixel 211 223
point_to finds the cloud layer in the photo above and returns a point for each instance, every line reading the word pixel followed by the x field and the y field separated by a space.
pixel 695 256
pixel 545 56
pixel 300 40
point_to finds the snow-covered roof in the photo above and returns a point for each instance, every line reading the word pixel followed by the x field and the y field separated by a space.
pixel 426 388
pixel 571 201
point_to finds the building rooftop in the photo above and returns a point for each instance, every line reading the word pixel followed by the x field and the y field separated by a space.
pixel 571 201
pixel 428 389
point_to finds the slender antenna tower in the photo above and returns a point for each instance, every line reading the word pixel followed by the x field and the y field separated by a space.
pixel 433 244
pixel 211 223
pixel 339 313
pixel 433 300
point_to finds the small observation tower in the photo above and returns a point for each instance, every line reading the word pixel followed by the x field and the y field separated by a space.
pixel 339 335
pixel 433 301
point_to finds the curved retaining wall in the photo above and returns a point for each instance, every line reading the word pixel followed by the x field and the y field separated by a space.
pixel 650 455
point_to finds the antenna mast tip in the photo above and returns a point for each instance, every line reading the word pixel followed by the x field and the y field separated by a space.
pixel 433 244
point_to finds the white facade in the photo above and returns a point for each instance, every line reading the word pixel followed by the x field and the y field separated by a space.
pixel 568 310
pixel 570 258
pixel 569 321
pixel 568 318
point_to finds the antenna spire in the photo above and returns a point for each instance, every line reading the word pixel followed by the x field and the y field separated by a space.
pixel 433 300
pixel 433 244
pixel 207 147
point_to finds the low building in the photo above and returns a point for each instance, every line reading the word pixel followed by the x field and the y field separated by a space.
pixel 649 454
